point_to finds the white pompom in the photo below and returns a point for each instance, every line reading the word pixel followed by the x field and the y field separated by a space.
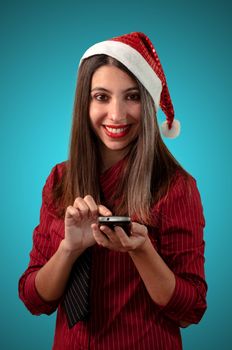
pixel 173 132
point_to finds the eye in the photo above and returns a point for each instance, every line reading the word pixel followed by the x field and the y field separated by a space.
pixel 101 97
pixel 133 97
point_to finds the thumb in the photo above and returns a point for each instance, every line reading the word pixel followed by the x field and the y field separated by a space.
pixel 138 228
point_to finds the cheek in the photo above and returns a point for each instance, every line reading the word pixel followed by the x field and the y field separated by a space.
pixel 92 115
pixel 137 112
pixel 95 120
pixel 95 113
pixel 94 128
pixel 91 111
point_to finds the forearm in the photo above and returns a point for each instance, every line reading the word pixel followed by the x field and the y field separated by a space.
pixel 51 279
pixel 159 280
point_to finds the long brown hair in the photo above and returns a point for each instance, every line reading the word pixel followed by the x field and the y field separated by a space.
pixel 149 166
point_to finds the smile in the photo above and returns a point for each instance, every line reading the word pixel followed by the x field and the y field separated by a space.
pixel 116 131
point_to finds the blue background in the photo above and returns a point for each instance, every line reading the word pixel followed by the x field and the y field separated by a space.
pixel 41 44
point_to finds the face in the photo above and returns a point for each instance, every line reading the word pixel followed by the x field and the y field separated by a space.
pixel 115 110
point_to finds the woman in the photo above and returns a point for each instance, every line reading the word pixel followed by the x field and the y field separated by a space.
pixel 114 290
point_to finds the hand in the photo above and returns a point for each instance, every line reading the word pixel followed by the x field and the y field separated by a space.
pixel 118 240
pixel 78 220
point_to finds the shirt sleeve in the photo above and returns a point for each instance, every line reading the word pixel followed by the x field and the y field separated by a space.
pixel 41 252
pixel 182 248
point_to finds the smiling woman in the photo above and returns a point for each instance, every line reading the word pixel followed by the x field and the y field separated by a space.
pixel 114 289
pixel 115 112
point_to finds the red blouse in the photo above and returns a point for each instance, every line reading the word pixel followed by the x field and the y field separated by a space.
pixel 123 316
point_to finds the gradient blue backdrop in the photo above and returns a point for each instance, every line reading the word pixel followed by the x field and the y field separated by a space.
pixel 41 44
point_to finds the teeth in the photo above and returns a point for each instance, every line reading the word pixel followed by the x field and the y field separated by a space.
pixel 115 131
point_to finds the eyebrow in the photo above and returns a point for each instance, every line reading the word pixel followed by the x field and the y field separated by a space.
pixel 106 90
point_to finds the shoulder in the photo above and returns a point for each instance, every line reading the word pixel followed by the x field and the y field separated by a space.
pixel 182 190
pixel 183 200
pixel 182 184
pixel 53 180
pixel 56 175
pixel 181 207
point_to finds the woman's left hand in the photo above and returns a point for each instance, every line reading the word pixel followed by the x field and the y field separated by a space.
pixel 118 240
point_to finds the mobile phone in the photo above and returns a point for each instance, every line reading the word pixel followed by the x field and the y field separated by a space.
pixel 111 221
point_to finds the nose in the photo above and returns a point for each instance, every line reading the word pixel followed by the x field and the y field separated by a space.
pixel 117 110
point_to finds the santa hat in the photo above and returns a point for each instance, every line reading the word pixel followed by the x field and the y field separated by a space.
pixel 136 52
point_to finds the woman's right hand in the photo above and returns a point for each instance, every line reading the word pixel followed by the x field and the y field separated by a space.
pixel 78 220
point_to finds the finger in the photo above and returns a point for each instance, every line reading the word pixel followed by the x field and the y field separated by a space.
pixel 123 237
pixel 93 208
pixel 129 243
pixel 109 233
pixel 104 211
pixel 82 206
pixel 99 237
pixel 72 213
pixel 138 229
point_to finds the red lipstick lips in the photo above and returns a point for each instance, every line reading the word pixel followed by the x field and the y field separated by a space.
pixel 116 131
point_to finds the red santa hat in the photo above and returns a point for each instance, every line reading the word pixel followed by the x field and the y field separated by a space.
pixel 136 52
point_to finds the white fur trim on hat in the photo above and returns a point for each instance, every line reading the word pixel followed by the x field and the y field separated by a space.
pixel 173 132
pixel 134 61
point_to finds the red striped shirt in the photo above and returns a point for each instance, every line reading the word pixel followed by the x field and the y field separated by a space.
pixel 123 316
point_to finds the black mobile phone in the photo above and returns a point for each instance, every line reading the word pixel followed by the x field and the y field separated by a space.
pixel 111 221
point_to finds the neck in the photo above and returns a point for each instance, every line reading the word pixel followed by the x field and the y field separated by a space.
pixel 111 157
